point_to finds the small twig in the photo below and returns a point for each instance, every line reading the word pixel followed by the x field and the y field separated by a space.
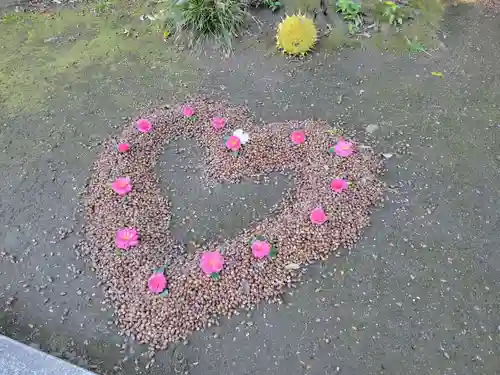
pixel 257 21
pixel 424 51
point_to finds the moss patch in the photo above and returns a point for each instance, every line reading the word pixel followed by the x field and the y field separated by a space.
pixel 41 52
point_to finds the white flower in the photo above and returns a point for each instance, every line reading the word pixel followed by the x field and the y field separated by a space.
pixel 244 137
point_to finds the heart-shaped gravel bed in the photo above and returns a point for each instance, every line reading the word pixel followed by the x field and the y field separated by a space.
pixel 161 293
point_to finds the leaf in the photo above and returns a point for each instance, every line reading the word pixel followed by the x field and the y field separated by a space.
pixel 215 276
pixel 234 153
pixel 391 18
pixel 160 270
pixel 260 238
pixel 273 252
pixel 251 240
pixel 331 150
pixel 166 34
pixel 118 252
pixel 415 46
pixel 164 293
pixel 437 74
pixel 226 138
pixel 193 118
pixel 292 266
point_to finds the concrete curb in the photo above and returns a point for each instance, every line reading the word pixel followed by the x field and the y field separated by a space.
pixel 19 359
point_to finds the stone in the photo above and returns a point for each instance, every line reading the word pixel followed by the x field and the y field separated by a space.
pixel 20 359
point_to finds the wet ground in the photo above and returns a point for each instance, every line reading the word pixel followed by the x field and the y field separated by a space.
pixel 418 295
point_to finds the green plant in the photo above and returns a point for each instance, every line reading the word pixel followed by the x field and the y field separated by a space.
pixel 351 12
pixel 272 4
pixel 415 46
pixel 296 34
pixel 393 13
pixel 202 20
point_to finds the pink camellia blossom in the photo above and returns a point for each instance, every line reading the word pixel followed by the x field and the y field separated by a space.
pixel 218 123
pixel 157 282
pixel 339 184
pixel 126 238
pixel 318 216
pixel 233 143
pixel 298 137
pixel 143 125
pixel 343 148
pixel 121 185
pixel 211 262
pixel 260 249
pixel 188 111
pixel 123 147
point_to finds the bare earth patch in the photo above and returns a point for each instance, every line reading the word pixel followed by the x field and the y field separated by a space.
pixel 194 299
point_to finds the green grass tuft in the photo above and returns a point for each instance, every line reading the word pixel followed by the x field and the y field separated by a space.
pixel 219 21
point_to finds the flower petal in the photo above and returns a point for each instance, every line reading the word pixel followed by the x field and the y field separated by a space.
pixel 244 138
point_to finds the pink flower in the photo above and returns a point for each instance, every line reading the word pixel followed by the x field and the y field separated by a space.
pixel 188 111
pixel 121 185
pixel 233 143
pixel 318 216
pixel 143 125
pixel 211 262
pixel 260 249
pixel 343 148
pixel 126 238
pixel 157 282
pixel 339 184
pixel 218 123
pixel 298 137
pixel 123 147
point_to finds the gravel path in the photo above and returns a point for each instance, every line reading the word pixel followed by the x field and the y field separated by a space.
pixel 419 292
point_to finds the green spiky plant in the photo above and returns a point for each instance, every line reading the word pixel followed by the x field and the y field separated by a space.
pixel 202 20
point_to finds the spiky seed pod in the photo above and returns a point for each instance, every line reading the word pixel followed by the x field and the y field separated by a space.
pixel 296 34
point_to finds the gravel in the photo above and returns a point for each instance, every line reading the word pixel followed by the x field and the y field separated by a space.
pixel 195 300
pixel 492 5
